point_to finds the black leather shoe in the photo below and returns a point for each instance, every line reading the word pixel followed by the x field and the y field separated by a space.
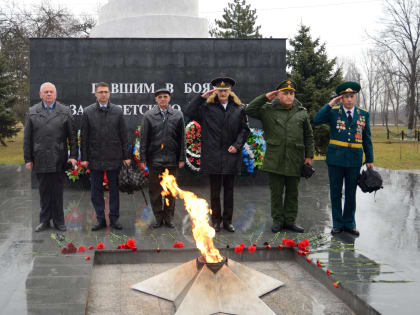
pixel 169 224
pixel 216 227
pixel 294 228
pixel 335 231
pixel 229 227
pixel 157 225
pixel 42 227
pixel 276 227
pixel 99 226
pixel 352 232
pixel 60 227
pixel 116 225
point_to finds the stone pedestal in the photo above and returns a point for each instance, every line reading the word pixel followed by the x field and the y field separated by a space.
pixel 150 19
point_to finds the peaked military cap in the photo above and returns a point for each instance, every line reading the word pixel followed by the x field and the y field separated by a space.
pixel 347 87
pixel 223 83
pixel 286 85
pixel 161 91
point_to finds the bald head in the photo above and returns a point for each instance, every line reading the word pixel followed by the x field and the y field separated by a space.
pixel 48 93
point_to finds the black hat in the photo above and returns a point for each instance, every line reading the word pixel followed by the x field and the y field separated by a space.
pixel 160 91
pixel 347 87
pixel 223 83
pixel 286 85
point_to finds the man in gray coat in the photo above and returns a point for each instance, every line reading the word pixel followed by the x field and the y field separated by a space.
pixel 48 127
pixel 162 146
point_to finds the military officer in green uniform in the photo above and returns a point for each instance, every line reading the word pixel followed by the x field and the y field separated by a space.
pixel 349 138
pixel 290 144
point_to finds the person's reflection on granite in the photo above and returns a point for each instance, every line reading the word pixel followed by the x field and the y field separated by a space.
pixel 351 268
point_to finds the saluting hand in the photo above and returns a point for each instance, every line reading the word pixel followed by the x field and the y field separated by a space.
pixel 207 94
pixel 335 100
pixel 271 95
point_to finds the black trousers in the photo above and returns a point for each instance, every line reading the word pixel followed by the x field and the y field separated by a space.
pixel 51 197
pixel 97 194
pixel 161 210
pixel 216 182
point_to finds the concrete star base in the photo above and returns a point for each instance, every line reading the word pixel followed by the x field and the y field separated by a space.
pixel 234 289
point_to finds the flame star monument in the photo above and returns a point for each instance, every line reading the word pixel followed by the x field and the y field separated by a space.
pixel 211 283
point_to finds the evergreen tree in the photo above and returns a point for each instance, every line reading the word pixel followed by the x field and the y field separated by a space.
pixel 8 91
pixel 238 22
pixel 316 77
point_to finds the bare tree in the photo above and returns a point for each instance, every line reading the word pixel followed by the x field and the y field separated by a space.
pixel 373 86
pixel 401 37
pixel 18 24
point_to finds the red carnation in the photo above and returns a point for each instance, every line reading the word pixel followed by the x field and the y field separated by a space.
pixel 303 244
pixel 280 247
pixel 329 272
pixel 64 250
pixel 336 284
pixel 318 263
pixel 178 245
pixel 252 248
pixel 74 172
pixel 82 249
pixel 268 246
pixel 309 260
pixel 158 250
pixel 288 242
pixel 130 244
pixel 87 258
pixel 239 248
pixel 90 247
pixel 100 246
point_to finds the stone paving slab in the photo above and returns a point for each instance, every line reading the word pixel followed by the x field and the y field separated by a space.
pixel 301 294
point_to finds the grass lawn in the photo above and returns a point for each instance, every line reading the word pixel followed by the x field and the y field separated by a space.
pixel 13 153
pixel 393 155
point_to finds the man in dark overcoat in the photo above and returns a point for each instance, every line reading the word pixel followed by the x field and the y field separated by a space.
pixel 48 127
pixel 225 130
pixel 162 146
pixel 104 147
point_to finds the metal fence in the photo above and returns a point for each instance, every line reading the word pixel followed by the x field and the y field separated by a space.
pixel 403 135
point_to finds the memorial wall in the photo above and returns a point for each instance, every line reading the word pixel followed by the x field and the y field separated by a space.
pixel 135 68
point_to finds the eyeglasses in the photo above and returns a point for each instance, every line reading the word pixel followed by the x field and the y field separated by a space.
pixel 103 92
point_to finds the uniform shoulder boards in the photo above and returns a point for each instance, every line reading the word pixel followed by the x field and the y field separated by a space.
pixel 363 109
pixel 301 107
pixel 336 107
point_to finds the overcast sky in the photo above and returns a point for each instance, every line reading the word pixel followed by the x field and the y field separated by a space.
pixel 342 24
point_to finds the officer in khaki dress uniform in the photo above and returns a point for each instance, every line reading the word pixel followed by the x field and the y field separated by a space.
pixel 290 144
pixel 349 138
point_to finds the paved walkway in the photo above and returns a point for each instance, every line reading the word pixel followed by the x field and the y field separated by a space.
pixel 38 279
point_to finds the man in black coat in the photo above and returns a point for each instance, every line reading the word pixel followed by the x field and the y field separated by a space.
pixel 104 147
pixel 162 146
pixel 225 130
pixel 48 127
